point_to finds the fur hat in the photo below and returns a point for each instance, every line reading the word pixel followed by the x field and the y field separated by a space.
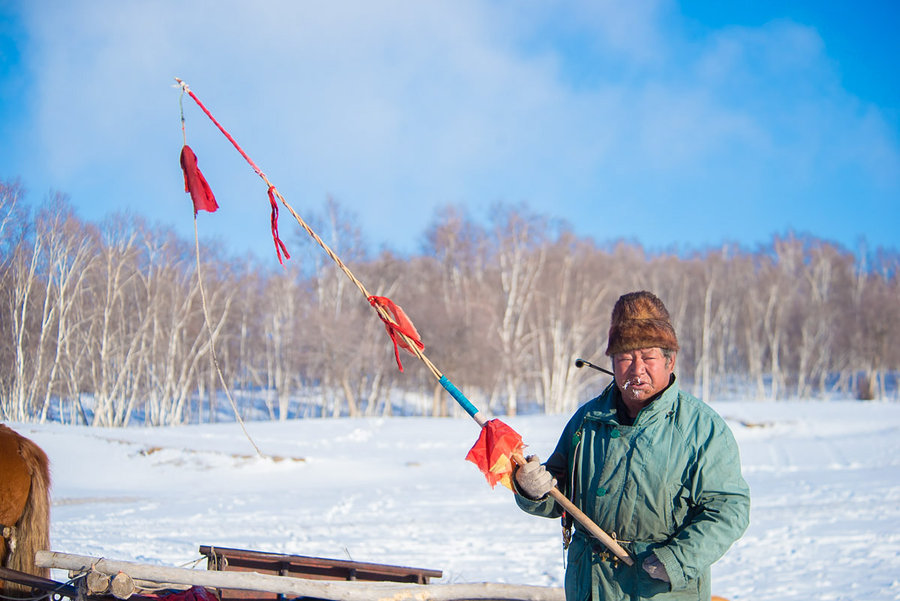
pixel 640 320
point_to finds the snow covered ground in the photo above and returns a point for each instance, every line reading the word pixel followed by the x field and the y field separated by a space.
pixel 824 478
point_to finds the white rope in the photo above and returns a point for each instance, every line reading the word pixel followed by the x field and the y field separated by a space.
pixel 212 345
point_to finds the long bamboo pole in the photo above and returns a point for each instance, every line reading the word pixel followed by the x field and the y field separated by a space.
pixel 460 398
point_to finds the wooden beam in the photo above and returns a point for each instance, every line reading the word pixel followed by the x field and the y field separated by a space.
pixel 300 587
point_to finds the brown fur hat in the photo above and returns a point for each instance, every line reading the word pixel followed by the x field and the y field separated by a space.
pixel 640 320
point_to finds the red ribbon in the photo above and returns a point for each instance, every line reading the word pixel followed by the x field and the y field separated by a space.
pixel 401 324
pixel 279 245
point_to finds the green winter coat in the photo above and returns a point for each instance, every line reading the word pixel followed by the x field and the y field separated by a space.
pixel 670 484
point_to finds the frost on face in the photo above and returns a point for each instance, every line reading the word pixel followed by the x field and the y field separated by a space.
pixel 633 382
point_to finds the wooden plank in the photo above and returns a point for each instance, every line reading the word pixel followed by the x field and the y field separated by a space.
pixel 299 587
pixel 227 559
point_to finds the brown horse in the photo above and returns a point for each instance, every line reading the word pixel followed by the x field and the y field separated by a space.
pixel 24 504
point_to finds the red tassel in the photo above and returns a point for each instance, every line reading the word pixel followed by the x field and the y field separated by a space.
pixel 195 183
pixel 402 324
pixel 279 245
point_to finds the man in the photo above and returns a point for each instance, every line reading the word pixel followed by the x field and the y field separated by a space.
pixel 649 464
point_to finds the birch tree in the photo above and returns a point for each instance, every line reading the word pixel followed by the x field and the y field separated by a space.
pixel 816 319
pixel 573 297
pixel 71 248
pixel 118 322
pixel 284 324
pixel 26 295
pixel 455 306
pixel 340 318
pixel 17 278
pixel 716 321
pixel 520 254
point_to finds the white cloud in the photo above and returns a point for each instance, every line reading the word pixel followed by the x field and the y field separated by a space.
pixel 399 107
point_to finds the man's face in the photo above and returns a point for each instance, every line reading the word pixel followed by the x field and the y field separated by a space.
pixel 642 373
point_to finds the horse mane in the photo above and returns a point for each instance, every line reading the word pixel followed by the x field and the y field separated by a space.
pixel 35 520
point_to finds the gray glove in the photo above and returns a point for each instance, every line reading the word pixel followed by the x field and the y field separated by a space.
pixel 655 568
pixel 533 478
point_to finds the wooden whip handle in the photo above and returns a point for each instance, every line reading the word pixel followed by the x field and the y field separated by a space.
pixel 595 530
pixel 591 527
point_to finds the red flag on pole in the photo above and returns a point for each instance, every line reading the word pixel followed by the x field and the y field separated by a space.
pixel 493 452
pixel 195 183
pixel 403 324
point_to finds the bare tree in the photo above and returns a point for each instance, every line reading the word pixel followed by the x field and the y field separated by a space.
pixel 284 328
pixel 29 316
pixel 715 312
pixel 454 306
pixel 118 322
pixel 71 248
pixel 112 320
pixel 571 309
pixel 815 318
pixel 873 329
pixel 520 254
pixel 343 327
pixel 19 267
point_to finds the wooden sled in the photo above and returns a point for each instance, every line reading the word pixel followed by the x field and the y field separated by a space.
pixel 300 566
pixel 315 585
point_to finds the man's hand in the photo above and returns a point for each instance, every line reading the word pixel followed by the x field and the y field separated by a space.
pixel 533 478
pixel 655 568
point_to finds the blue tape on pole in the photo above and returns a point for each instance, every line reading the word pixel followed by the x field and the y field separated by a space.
pixel 457 394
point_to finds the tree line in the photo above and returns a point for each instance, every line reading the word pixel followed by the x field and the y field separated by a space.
pixel 109 323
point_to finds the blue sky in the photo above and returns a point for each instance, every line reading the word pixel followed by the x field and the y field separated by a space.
pixel 676 125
